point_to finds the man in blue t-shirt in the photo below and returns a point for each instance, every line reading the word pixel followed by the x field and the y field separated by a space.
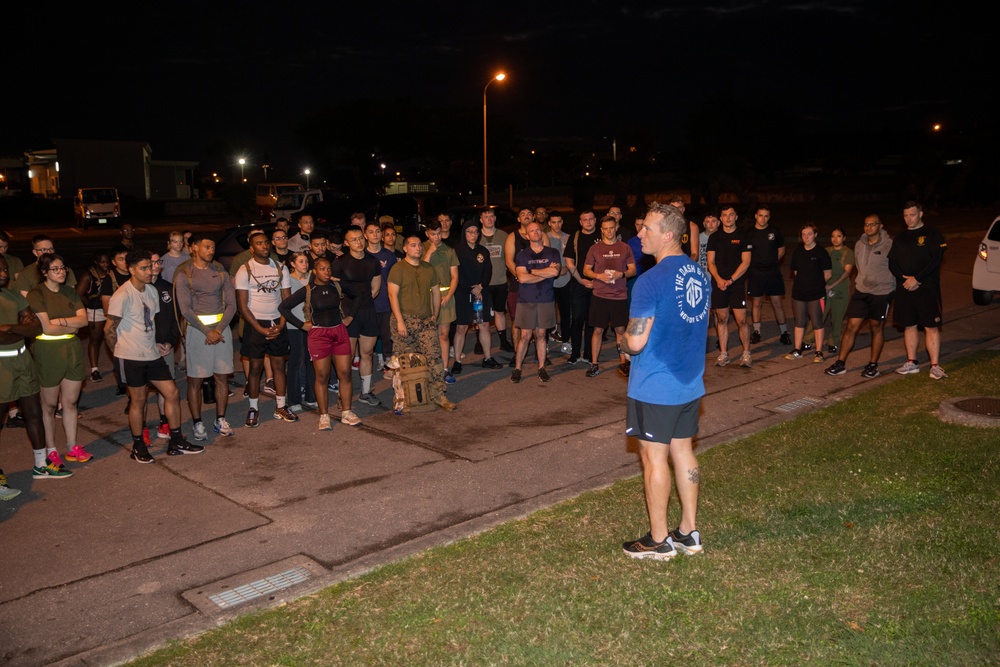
pixel 668 322
pixel 536 268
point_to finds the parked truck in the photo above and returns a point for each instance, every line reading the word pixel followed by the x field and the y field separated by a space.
pixel 96 206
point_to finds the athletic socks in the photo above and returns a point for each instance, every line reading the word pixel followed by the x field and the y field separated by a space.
pixel 41 457
pixel 366 384
pixel 280 400
pixel 253 403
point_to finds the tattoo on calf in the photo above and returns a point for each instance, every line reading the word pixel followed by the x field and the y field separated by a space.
pixel 695 475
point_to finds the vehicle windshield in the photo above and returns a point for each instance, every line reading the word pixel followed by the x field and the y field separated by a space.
pixel 101 196
pixel 289 200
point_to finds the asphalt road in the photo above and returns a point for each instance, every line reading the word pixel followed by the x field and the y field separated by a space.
pixel 121 558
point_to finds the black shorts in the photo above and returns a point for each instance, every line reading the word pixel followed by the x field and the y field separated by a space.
pixel 766 283
pixel 735 297
pixel 607 312
pixel 661 423
pixel 256 346
pixel 463 307
pixel 498 297
pixel 140 373
pixel 874 307
pixel 365 323
pixel 921 307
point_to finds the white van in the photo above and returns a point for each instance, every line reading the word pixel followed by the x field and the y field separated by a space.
pixel 96 206
pixel 268 193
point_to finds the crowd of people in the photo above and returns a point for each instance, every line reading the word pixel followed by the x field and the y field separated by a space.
pixel 309 308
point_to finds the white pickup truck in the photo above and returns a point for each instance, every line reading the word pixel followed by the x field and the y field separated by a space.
pixel 291 204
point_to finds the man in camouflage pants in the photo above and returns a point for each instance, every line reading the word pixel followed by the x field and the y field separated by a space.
pixel 415 298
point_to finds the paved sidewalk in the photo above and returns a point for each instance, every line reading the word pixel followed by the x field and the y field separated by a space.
pixel 121 558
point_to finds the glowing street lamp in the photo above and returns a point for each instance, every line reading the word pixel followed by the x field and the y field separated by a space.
pixel 499 77
pixel 307 172
pixel 242 162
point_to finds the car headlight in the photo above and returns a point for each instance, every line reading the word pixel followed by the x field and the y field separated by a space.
pixel 983 252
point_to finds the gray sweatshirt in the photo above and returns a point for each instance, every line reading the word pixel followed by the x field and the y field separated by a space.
pixel 872 263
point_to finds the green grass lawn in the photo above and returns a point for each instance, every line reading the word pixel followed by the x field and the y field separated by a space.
pixel 862 534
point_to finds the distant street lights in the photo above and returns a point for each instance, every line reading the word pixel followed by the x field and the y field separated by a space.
pixel 307 172
pixel 242 162
pixel 499 77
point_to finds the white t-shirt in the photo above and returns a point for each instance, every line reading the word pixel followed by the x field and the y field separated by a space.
pixel 263 283
pixel 136 332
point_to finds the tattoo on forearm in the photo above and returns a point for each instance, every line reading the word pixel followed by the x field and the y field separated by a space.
pixel 695 475
pixel 638 325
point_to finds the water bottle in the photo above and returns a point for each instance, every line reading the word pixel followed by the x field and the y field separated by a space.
pixel 477 309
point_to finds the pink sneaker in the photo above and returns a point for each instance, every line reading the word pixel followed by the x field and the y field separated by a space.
pixel 54 459
pixel 163 432
pixel 78 454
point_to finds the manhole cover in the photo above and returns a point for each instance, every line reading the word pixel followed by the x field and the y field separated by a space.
pixel 972 411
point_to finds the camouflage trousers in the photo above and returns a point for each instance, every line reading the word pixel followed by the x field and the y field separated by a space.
pixel 422 337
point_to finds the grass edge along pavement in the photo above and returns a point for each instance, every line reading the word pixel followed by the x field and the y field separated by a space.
pixel 862 533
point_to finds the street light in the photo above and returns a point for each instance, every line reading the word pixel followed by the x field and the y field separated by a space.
pixel 242 162
pixel 499 77
pixel 307 172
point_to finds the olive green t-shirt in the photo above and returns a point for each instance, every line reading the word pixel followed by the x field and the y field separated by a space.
pixel 415 285
pixel 63 303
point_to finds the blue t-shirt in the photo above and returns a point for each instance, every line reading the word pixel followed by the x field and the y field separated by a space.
pixel 386 258
pixel 671 367
pixel 542 291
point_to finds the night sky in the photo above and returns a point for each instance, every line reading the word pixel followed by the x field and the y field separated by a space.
pixel 189 78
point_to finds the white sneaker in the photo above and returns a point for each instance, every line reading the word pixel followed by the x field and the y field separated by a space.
pixel 937 373
pixel 222 427
pixel 722 360
pixel 324 423
pixel 348 417
pixel 909 368
pixel 200 432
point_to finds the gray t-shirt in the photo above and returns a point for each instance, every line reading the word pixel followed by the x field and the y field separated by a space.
pixel 494 244
pixel 136 332
pixel 204 294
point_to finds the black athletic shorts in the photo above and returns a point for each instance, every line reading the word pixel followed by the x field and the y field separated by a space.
pixel 766 283
pixel 365 323
pixel 256 346
pixel 140 373
pixel 463 307
pixel 863 306
pixel 607 312
pixel 921 307
pixel 498 297
pixel 661 423
pixel 734 297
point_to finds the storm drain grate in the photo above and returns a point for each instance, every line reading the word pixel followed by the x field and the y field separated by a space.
pixel 260 588
pixel 804 402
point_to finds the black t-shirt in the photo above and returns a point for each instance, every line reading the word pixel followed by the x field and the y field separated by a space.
pixel 165 320
pixel 918 253
pixel 578 246
pixel 474 266
pixel 355 276
pixel 808 283
pixel 765 244
pixel 728 248
pixel 324 305
pixel 113 280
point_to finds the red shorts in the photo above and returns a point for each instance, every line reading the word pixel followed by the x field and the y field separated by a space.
pixel 324 341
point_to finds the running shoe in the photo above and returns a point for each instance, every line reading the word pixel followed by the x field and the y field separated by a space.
pixel 449 378
pixel 543 375
pixel 723 360
pixel 745 360
pixel 284 414
pixel 909 368
pixel 183 447
pixel 937 373
pixel 689 544
pixel 754 337
pixel 268 388
pixel 348 417
pixel 593 371
pixel 794 354
pixel 15 420
pixel 491 363
pixel 140 454
pixel 624 369
pixel 7 493
pixel 334 386
pixel 369 398
pixel 838 368
pixel 53 459
pixel 50 471
pixel 222 427
pixel 324 423
pixel 515 375
pixel 78 454
pixel 573 360
pixel 95 375
pixel 253 418
pixel 163 431
pixel 818 357
pixel 506 345
pixel 646 547
pixel 871 371
pixel 200 432
pixel 786 338
pixel 456 368
pixel 310 405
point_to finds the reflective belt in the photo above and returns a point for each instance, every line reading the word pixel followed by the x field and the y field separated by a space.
pixel 210 319
pixel 12 353
pixel 444 289
pixel 54 337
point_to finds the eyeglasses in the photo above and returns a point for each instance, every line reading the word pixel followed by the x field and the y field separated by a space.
pixel 58 269
pixel 279 238
pixel 157 261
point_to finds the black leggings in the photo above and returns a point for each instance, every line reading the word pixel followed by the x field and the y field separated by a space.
pixel 808 311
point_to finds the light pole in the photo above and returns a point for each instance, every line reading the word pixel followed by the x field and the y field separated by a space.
pixel 307 172
pixel 242 162
pixel 499 77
